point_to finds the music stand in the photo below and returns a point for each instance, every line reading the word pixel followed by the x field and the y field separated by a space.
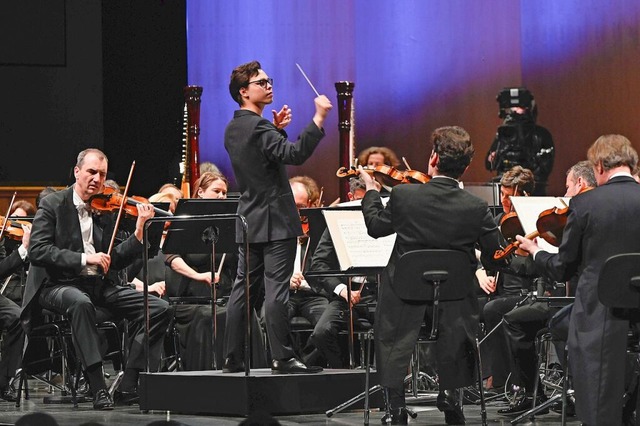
pixel 317 223
pixel 204 226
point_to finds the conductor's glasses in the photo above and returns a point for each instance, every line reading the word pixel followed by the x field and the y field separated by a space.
pixel 263 83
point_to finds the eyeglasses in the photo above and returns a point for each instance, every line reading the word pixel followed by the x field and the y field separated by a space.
pixel 263 83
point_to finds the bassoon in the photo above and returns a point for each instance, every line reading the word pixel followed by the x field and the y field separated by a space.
pixel 190 166
pixel 347 130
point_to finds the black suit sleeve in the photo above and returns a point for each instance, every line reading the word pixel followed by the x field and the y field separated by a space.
pixel 324 259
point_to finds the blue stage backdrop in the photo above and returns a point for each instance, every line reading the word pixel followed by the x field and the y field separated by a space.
pixel 418 65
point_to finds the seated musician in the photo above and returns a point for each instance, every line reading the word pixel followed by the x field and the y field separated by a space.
pixel 22 208
pixel 378 156
pixel 72 273
pixel 169 188
pixel 10 326
pixel 189 275
pixel 511 287
pixel 436 215
pixel 521 325
pixel 15 264
pixel 303 300
pixel 335 316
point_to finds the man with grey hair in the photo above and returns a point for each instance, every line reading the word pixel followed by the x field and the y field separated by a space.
pixel 74 271
pixel 601 223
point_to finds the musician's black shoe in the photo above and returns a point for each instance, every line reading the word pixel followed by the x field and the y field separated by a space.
pixel 9 394
pixel 448 404
pixel 102 400
pixel 571 408
pixel 125 398
pixel 292 366
pixel 231 365
pixel 524 404
pixel 397 416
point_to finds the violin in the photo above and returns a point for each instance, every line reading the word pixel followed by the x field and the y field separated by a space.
pixel 110 200
pixel 550 226
pixel 415 176
pixel 551 223
pixel 13 228
pixel 386 175
pixel 510 226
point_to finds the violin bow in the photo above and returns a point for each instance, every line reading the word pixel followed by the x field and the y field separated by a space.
pixel 124 200
pixel 6 217
pixel 404 160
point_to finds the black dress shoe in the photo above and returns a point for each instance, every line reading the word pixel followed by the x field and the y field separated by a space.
pixel 292 366
pixel 9 394
pixel 448 404
pixel 571 408
pixel 125 398
pixel 102 400
pixel 397 416
pixel 523 405
pixel 232 366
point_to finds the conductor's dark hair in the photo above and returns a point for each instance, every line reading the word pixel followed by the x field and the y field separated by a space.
pixel 240 77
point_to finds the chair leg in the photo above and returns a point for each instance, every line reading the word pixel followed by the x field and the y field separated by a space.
pixel 483 407
pixel 21 382
pixel 565 385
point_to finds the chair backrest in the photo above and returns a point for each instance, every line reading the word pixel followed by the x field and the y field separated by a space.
pixel 619 281
pixel 416 270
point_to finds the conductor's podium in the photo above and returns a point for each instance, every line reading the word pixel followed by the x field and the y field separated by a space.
pixel 234 394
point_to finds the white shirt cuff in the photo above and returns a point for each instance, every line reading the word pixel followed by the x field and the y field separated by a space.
pixel 339 289
pixel 22 252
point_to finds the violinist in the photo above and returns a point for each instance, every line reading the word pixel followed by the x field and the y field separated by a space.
pixel 14 246
pixel 10 326
pixel 378 156
pixel 169 188
pixel 601 223
pixel 22 208
pixel 511 285
pixel 259 151
pixel 436 215
pixel 72 273
pixel 522 324
pixel 303 300
pixel 384 157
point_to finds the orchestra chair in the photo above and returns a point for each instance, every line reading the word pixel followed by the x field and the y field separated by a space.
pixel 619 289
pixel 551 380
pixel 434 276
pixel 60 355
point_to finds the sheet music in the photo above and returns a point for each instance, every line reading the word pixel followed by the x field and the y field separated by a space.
pixel 354 247
pixel 528 210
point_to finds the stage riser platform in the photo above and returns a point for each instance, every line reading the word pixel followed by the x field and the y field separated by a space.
pixel 211 392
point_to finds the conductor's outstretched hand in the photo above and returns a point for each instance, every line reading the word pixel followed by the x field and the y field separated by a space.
pixel 282 118
pixel 323 106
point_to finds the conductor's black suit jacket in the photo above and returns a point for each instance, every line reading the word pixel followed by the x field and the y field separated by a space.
pixel 259 154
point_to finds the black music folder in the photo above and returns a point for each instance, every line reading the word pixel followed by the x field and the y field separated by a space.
pixel 195 236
